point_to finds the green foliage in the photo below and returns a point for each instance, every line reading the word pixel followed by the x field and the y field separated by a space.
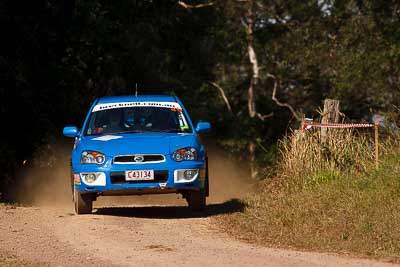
pixel 322 176
pixel 348 50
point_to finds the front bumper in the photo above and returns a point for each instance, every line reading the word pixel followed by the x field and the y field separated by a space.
pixel 164 182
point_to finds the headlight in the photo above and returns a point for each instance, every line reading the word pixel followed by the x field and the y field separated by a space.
pixel 188 153
pixel 92 157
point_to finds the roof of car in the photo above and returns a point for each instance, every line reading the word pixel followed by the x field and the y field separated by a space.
pixel 129 98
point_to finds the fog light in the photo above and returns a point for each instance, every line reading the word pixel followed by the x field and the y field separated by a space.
pixel 185 176
pixel 189 174
pixel 94 178
pixel 90 178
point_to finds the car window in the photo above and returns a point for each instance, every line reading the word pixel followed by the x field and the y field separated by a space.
pixel 137 119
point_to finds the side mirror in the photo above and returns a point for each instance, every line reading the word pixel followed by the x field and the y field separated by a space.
pixel 71 131
pixel 203 127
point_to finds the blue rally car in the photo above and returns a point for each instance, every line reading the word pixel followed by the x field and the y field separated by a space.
pixel 138 145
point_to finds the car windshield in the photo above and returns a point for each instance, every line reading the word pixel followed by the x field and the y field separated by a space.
pixel 137 120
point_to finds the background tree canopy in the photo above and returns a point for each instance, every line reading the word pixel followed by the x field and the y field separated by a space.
pixel 58 56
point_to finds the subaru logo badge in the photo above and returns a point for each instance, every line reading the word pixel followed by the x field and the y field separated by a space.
pixel 138 158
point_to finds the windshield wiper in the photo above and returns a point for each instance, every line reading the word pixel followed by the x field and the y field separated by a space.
pixel 175 131
pixel 172 130
pixel 125 132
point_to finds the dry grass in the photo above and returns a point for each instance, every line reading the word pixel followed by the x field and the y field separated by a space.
pixel 306 159
pixel 330 198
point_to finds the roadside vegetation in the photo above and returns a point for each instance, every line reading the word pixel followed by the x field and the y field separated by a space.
pixel 327 196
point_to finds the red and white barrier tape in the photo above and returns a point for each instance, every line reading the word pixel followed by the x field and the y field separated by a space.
pixel 307 126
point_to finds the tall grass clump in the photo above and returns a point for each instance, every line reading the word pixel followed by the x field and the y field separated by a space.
pixel 306 158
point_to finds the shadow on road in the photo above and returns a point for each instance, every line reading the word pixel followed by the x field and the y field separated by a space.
pixel 173 212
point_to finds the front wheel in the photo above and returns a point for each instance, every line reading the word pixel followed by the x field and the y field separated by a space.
pixel 197 200
pixel 83 203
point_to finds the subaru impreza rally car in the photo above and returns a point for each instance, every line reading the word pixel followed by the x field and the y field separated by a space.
pixel 138 145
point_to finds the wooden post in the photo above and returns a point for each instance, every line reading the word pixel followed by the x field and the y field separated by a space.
pixel 330 115
pixel 376 126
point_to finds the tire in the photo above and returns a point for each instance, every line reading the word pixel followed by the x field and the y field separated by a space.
pixel 83 203
pixel 197 200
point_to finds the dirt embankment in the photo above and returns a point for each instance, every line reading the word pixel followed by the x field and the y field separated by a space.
pixel 135 231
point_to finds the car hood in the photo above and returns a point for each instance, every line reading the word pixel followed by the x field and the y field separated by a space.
pixel 128 144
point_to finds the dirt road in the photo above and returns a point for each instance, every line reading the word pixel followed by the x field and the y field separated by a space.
pixel 135 231
pixel 137 236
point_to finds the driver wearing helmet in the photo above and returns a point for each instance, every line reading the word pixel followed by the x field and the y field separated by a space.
pixel 114 121
pixel 142 117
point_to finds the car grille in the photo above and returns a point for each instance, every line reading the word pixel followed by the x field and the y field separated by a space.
pixel 119 178
pixel 138 159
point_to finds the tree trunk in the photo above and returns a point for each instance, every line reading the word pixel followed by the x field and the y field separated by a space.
pixel 253 167
pixel 251 100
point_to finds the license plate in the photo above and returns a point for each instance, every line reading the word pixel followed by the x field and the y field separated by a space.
pixel 139 175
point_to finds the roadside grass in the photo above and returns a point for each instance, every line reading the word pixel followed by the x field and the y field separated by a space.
pixel 327 198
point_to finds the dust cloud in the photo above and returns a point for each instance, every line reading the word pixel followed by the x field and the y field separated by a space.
pixel 229 178
pixel 48 184
pixel 45 179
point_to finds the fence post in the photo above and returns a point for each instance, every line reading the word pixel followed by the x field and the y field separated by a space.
pixel 330 115
pixel 376 127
